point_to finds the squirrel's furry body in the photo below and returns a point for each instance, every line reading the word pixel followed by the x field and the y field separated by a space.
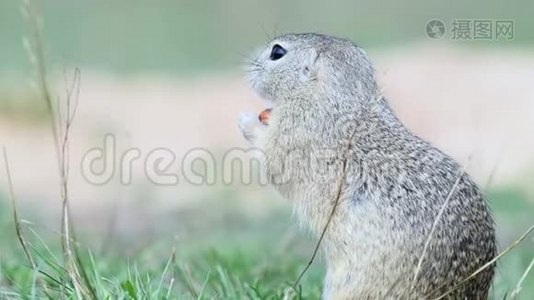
pixel 328 114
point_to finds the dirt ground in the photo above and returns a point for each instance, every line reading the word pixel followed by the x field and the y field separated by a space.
pixel 469 103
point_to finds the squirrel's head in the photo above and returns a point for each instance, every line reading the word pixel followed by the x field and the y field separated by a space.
pixel 311 66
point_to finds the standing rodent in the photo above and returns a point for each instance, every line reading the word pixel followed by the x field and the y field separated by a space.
pixel 328 116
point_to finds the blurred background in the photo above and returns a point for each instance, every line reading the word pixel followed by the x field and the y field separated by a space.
pixel 169 74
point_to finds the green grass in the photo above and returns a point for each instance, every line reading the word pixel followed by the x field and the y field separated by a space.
pixel 230 257
pixel 236 259
pixel 210 273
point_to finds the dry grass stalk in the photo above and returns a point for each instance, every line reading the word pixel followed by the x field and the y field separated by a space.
pixel 18 227
pixel 61 125
pixel 489 263
pixel 339 191
pixel 434 225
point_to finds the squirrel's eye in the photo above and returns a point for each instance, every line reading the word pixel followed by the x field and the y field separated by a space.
pixel 277 52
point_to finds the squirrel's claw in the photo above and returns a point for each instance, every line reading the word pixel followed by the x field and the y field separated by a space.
pixel 249 124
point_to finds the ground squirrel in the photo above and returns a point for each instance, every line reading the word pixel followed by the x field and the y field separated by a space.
pixel 327 116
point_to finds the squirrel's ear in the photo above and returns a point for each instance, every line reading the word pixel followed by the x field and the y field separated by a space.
pixel 311 65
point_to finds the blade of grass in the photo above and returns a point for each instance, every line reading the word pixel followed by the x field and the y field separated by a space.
pixel 486 265
pixel 165 270
pixel 517 288
pixel 434 226
pixel 16 220
pixel 333 211
pixel 204 286
pixel 185 272
pixel 56 261
pixel 169 289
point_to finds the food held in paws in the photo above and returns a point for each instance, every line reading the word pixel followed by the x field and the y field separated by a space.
pixel 264 116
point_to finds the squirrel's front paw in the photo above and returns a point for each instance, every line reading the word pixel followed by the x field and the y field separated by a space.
pixel 250 125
